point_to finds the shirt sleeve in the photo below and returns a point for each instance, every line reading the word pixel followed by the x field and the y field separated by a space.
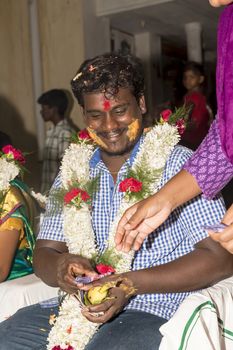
pixel 209 164
pixel 13 224
pixel 52 224
pixel 12 199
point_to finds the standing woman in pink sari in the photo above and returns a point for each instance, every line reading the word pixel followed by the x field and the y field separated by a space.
pixel 208 170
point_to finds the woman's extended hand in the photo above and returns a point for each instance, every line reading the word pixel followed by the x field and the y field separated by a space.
pixel 139 221
pixel 145 216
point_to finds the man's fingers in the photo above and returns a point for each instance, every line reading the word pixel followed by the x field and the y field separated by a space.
pixel 101 307
pixel 77 269
pixel 95 318
pixel 99 313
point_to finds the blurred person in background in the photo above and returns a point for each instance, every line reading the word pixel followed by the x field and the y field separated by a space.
pixel 54 105
pixel 197 129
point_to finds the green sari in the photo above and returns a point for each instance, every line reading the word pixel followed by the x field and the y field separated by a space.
pixel 22 262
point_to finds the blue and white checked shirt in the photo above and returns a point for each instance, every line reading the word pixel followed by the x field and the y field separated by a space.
pixel 176 237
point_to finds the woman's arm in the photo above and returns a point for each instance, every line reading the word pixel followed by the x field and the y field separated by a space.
pixel 11 231
pixel 207 171
pixel 9 240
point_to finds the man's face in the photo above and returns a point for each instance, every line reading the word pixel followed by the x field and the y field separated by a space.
pixel 47 113
pixel 217 3
pixel 116 123
pixel 192 80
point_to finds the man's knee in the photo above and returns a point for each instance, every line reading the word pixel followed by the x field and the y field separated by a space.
pixel 27 329
pixel 131 330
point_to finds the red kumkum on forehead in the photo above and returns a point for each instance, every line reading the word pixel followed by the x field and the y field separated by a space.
pixel 106 105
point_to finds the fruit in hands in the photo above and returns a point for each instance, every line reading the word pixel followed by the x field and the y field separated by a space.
pixel 96 295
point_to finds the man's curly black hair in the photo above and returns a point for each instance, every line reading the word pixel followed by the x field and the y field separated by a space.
pixel 107 73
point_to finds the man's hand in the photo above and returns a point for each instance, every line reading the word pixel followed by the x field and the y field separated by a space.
pixel 103 312
pixel 118 297
pixel 139 221
pixel 225 238
pixel 69 266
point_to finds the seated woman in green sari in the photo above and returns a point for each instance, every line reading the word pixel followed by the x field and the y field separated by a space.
pixel 17 214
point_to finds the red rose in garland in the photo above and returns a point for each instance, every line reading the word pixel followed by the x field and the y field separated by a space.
pixel 57 347
pixel 130 184
pixel 16 154
pixel 84 135
pixel 166 114
pixel 76 192
pixel 103 269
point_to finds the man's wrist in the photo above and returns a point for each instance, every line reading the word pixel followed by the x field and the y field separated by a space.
pixel 127 285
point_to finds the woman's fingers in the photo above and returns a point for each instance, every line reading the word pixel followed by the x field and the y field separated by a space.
pixel 225 238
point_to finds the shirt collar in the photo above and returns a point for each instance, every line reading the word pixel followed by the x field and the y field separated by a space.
pixel 61 122
pixel 59 125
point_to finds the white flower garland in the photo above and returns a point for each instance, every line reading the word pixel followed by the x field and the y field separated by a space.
pixel 72 329
pixel 8 171
pixel 41 198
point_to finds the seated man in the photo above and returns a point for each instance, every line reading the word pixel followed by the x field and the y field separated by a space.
pixel 175 260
